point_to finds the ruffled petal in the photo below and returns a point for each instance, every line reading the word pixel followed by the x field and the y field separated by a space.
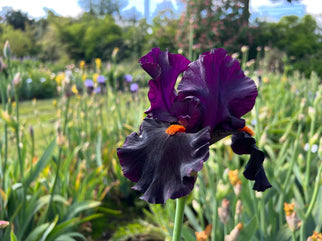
pixel 164 68
pixel 188 113
pixel 225 93
pixel 164 166
pixel 243 143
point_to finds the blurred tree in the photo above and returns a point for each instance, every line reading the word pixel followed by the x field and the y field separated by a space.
pixel 136 39
pixel 165 27
pixel 17 19
pixel 89 36
pixel 299 38
pixel 131 15
pixel 20 42
pixel 103 7
pixel 217 23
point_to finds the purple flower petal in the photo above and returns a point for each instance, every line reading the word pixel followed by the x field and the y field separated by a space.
pixel 224 92
pixel 128 78
pixel 164 166
pixel 101 79
pixel 89 83
pixel 243 143
pixel 164 68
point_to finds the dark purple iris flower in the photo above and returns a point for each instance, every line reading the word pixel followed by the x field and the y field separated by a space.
pixel 173 141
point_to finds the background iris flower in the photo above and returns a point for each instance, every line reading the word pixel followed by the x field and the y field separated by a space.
pixel 173 141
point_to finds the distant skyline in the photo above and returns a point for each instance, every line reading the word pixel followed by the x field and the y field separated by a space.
pixel 35 8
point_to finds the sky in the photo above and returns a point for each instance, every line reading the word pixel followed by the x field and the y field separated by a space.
pixel 35 8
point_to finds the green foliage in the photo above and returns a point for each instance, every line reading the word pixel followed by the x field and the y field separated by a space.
pixel 299 38
pixel 21 43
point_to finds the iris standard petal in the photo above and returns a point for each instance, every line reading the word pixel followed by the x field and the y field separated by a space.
pixel 164 68
pixel 225 93
pixel 243 143
pixel 164 166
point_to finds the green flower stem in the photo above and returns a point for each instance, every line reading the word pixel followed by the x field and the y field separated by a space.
pixel 308 163
pixel 178 220
pixel 5 156
pixel 49 209
pixel 315 192
pixel 293 236
pixel 312 203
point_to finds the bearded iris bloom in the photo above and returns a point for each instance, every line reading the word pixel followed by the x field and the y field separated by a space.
pixel 163 158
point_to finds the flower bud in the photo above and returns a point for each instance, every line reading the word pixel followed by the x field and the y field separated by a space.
pixel 244 48
pixel 3 224
pixel 292 219
pixel 7 50
pixel 16 79
pixel 234 233
pixel 223 211
pixel 315 237
pixel 2 65
pixel 31 131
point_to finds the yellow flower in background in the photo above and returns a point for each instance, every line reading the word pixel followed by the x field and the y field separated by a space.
pixel 114 53
pixel 204 235
pixel 59 78
pixel 95 76
pixel 265 79
pixel 55 103
pixel 284 78
pixel 81 64
pixel 315 237
pixel 233 177
pixel 98 63
pixel 288 208
pixel 292 219
pixel 84 77
pixel 74 89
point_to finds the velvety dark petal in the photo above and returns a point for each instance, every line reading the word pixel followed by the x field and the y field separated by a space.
pixel 243 143
pixel 188 112
pixel 225 93
pixel 261 182
pixel 164 166
pixel 164 68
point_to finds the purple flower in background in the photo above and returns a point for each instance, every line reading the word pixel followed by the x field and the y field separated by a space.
pixel 97 90
pixel 134 87
pixel 128 78
pixel 173 141
pixel 89 83
pixel 101 79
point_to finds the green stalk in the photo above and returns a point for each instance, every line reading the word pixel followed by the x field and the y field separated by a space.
pixel 312 203
pixel 21 162
pixel 308 163
pixel 58 160
pixel 293 236
pixel 178 220
pixel 315 192
pixel 3 100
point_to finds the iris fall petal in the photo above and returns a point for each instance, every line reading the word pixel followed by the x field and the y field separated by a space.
pixel 164 166
pixel 243 143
